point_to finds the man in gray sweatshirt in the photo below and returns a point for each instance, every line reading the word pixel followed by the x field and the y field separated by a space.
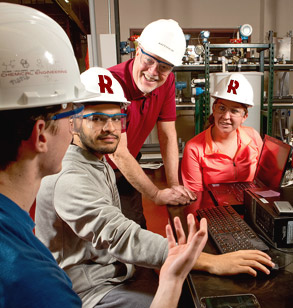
pixel 79 218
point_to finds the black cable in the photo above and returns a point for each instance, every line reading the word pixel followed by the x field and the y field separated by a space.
pixel 276 248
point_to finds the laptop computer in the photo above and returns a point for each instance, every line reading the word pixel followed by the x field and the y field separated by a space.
pixel 269 172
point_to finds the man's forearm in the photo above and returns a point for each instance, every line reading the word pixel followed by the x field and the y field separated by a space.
pixel 168 294
pixel 170 159
pixel 169 149
pixel 204 262
pixel 135 175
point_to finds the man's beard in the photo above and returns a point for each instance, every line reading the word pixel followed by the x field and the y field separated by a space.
pixel 91 146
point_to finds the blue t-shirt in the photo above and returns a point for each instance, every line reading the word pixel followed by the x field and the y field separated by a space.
pixel 29 275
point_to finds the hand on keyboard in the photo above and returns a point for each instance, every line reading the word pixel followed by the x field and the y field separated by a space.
pixel 239 244
pixel 239 262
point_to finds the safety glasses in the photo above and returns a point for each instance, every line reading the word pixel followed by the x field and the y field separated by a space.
pixel 234 112
pixel 100 119
pixel 149 61
pixel 74 115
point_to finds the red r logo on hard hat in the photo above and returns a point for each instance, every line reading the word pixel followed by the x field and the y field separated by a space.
pixel 233 86
pixel 105 85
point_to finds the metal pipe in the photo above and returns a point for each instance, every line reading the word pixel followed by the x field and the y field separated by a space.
pixel 92 14
pixel 117 30
pixel 109 16
pixel 282 84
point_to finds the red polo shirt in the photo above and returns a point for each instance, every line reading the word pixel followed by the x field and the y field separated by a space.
pixel 144 111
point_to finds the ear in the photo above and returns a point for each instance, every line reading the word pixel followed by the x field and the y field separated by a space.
pixel 39 137
pixel 137 51
pixel 214 106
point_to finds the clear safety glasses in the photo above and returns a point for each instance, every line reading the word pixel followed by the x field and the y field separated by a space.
pixel 149 61
pixel 234 112
pixel 74 115
pixel 100 119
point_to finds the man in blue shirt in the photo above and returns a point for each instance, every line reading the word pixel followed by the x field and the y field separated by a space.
pixel 39 78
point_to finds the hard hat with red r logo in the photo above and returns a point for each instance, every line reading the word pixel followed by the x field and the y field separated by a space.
pixel 236 88
pixel 100 81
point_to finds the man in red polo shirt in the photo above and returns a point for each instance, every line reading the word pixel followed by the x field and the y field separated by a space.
pixel 149 85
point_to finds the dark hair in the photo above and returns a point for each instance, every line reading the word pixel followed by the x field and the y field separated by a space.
pixel 17 125
pixel 209 122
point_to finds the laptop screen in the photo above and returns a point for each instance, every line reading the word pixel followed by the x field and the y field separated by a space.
pixel 272 162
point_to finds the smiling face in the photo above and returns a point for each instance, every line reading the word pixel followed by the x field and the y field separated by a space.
pixel 228 115
pixel 147 78
pixel 96 137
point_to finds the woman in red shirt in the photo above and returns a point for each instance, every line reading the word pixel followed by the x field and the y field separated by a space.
pixel 226 151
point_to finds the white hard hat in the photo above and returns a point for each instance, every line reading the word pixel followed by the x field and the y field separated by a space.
pixel 101 82
pixel 165 39
pixel 37 63
pixel 236 88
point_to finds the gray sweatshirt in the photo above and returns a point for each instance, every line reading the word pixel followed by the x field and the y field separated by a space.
pixel 78 217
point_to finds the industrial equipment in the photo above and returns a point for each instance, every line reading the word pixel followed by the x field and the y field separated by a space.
pixel 272 59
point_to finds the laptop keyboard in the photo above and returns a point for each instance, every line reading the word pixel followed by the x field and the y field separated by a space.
pixel 229 231
pixel 238 189
pixel 245 185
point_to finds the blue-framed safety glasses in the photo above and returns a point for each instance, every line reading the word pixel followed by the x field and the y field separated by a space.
pixel 100 119
pixel 74 115
pixel 149 60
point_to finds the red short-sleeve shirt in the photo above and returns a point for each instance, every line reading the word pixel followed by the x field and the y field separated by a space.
pixel 144 111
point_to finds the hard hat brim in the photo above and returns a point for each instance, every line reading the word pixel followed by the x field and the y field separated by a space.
pixel 249 104
pixel 99 98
